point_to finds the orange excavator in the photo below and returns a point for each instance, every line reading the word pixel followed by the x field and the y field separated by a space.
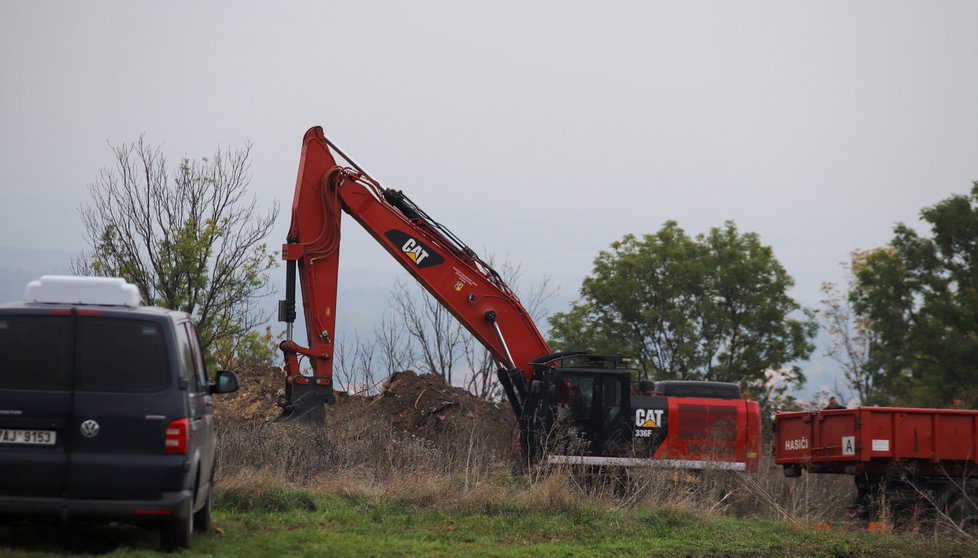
pixel 571 407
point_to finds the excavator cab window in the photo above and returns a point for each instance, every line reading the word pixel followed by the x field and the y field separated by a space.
pixel 591 403
pixel 575 396
pixel 612 399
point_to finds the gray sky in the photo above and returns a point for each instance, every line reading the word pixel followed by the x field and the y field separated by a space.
pixel 539 132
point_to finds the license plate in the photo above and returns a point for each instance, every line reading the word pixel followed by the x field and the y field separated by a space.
pixel 28 437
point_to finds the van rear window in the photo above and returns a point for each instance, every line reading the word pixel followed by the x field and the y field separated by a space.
pixel 121 356
pixel 35 352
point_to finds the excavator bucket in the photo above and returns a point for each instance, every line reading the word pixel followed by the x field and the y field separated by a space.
pixel 306 402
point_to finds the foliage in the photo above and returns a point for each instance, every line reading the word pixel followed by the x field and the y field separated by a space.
pixel 714 308
pixel 190 241
pixel 920 296
pixel 253 349
pixel 776 391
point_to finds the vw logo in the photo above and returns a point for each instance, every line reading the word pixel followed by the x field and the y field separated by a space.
pixel 89 428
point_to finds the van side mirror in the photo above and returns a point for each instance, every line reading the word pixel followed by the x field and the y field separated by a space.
pixel 225 382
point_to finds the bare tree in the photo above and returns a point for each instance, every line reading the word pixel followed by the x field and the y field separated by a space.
pixel 191 241
pixel 482 367
pixel 355 364
pixel 395 351
pixel 852 338
pixel 432 331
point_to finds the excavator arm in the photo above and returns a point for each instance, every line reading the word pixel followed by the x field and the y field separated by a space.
pixel 448 269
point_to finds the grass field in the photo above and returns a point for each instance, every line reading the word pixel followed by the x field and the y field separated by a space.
pixel 280 521
pixel 361 488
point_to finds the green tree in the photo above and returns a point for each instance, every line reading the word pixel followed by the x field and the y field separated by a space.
pixel 714 307
pixel 920 295
pixel 190 240
pixel 253 349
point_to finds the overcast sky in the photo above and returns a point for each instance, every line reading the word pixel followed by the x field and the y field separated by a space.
pixel 540 132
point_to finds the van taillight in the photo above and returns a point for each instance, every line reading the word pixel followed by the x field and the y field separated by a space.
pixel 177 436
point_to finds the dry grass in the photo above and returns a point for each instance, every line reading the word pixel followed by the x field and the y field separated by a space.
pixel 365 458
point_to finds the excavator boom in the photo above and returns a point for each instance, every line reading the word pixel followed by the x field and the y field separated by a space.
pixel 448 269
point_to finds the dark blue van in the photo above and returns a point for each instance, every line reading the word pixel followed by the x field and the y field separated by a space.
pixel 105 409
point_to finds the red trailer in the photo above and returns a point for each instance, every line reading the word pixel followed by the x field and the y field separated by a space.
pixel 911 459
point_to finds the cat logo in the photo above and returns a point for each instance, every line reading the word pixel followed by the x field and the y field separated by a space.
pixel 420 254
pixel 648 418
pixel 414 251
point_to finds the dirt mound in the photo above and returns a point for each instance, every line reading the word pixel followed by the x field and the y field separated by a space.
pixel 421 405
pixel 427 406
pixel 259 389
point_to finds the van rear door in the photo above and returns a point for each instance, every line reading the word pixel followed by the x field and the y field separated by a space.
pixel 35 402
pixel 122 406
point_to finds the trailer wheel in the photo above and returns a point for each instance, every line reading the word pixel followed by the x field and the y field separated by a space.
pixel 792 471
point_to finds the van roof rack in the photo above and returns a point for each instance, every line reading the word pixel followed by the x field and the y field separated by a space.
pixel 66 289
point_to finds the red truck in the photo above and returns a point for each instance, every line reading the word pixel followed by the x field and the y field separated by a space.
pixel 906 462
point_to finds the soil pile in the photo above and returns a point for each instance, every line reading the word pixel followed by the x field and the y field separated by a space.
pixel 421 405
pixel 426 406
pixel 259 389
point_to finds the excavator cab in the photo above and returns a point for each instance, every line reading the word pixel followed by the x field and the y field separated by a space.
pixel 577 404
pixel 588 406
